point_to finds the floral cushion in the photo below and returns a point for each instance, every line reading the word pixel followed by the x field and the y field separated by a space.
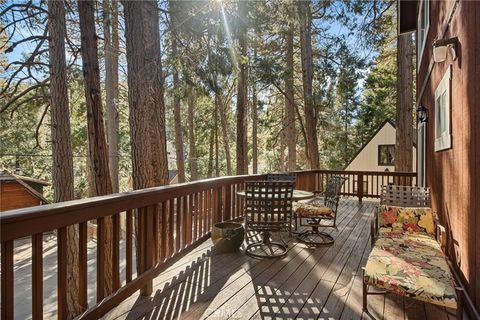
pixel 311 209
pixel 406 219
pixel 412 265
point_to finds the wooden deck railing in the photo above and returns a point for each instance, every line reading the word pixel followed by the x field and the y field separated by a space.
pixel 360 184
pixel 172 221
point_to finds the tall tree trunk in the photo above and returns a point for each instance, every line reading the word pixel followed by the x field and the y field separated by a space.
pixel 62 174
pixel 98 150
pixel 145 95
pixel 254 113
pixel 307 77
pixel 176 96
pixel 210 152
pixel 223 123
pixel 217 161
pixel 111 47
pixel 290 104
pixel 242 94
pixel 404 115
pixel 282 163
pixel 146 114
pixel 191 132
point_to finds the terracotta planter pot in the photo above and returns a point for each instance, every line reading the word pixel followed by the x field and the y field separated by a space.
pixel 227 236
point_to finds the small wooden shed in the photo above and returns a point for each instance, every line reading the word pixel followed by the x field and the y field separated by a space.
pixel 20 192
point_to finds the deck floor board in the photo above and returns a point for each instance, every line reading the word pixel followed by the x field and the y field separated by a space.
pixel 308 283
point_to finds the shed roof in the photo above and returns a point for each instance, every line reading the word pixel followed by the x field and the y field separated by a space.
pixel 24 181
pixel 5 176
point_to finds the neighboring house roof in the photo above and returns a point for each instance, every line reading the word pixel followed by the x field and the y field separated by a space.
pixel 375 133
pixel 173 176
pixel 4 175
pixel 27 183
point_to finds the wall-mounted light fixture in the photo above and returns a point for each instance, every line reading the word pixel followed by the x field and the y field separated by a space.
pixel 441 46
pixel 422 114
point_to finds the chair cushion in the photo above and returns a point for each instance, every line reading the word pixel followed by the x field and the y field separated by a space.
pixel 311 210
pixel 406 219
pixel 412 265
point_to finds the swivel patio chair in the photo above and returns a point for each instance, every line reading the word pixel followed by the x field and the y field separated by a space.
pixel 284 176
pixel 319 213
pixel 268 209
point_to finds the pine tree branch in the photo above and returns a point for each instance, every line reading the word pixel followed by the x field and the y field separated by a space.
pixel 37 130
pixel 42 84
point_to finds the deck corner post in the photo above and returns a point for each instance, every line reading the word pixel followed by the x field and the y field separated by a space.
pixel 360 187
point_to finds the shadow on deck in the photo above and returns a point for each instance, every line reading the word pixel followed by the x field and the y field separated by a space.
pixel 308 283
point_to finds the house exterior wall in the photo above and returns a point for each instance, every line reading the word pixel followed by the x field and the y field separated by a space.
pixel 454 174
pixel 14 196
pixel 367 159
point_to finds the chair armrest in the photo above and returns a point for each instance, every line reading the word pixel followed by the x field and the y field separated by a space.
pixel 442 236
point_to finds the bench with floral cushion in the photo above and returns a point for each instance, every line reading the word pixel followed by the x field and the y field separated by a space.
pixel 406 259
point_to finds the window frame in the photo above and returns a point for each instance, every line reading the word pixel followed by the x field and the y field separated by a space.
pixel 379 161
pixel 422 33
pixel 443 139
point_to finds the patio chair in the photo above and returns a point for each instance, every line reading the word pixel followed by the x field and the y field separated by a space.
pixel 268 209
pixel 285 176
pixel 318 213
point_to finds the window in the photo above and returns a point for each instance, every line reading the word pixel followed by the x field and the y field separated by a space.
pixel 423 24
pixel 386 155
pixel 443 139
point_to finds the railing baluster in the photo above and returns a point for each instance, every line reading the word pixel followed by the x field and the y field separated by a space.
pixel 178 223
pixel 187 223
pixel 200 216
pixel 37 276
pixel 62 310
pixel 171 227
pixel 236 201
pixel 164 230
pixel 82 265
pixel 116 251
pixel 193 214
pixel 217 206
pixel 208 204
pixel 228 204
pixel 156 234
pixel 241 200
pixel 7 280
pixel 128 245
pixel 204 212
pixel 147 244
pixel 100 259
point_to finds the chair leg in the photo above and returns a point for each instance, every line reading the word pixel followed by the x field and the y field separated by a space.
pixel 460 294
pixel 364 291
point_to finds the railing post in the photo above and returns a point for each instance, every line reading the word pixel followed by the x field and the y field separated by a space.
pixel 227 204
pixel 360 187
pixel 147 241
pixel 217 205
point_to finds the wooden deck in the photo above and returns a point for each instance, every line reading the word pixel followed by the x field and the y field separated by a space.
pixel 309 283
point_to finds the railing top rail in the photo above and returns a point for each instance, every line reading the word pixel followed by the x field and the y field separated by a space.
pixel 57 215
pixel 377 173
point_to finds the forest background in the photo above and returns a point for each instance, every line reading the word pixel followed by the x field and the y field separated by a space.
pixel 241 91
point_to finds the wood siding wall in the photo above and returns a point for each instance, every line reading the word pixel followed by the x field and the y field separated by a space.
pixel 454 174
pixel 14 196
